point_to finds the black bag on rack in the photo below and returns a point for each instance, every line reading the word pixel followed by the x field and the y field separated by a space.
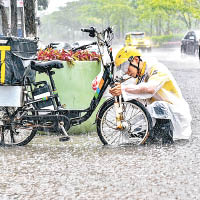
pixel 11 73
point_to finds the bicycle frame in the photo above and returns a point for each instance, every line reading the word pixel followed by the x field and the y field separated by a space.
pixel 69 117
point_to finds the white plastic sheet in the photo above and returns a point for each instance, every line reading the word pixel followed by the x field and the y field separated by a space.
pixel 167 98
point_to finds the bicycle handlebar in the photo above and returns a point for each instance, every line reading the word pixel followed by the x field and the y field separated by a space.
pixel 90 30
pixel 87 30
pixel 83 47
pixel 108 30
pixel 105 36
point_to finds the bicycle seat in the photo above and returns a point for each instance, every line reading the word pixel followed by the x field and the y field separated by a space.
pixel 46 66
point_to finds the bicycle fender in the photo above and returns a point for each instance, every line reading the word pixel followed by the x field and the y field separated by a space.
pixel 108 101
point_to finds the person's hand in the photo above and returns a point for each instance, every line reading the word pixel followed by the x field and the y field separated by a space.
pixel 116 91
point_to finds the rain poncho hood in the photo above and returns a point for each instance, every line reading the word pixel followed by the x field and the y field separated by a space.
pixel 166 102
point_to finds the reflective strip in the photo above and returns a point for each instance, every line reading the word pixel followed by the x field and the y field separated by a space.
pixel 96 95
pixel 99 88
pixel 3 50
pixel 101 83
pixel 45 98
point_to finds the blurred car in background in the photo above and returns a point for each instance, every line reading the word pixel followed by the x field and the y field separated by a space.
pixel 138 40
pixel 92 48
pixel 190 43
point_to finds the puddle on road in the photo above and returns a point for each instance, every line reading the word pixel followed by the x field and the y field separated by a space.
pixel 85 169
pixel 173 56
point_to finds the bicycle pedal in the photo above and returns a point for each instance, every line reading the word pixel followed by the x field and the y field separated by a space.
pixel 64 139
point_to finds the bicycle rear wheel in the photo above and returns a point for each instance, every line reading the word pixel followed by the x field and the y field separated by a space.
pixel 12 133
pixel 136 120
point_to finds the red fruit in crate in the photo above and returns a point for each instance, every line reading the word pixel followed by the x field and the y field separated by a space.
pixel 69 56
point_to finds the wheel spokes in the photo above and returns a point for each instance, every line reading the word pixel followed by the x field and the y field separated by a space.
pixel 137 125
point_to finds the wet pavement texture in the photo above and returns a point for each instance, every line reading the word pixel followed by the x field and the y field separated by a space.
pixel 85 169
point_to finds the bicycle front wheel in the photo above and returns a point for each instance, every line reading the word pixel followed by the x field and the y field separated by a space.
pixel 136 121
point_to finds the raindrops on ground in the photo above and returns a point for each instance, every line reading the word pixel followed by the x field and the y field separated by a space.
pixel 85 169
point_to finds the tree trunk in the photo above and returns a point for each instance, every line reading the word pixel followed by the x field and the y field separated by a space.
pixel 190 22
pixel 22 20
pixel 123 28
pixel 4 20
pixel 118 33
pixel 157 31
pixel 168 24
pixel 160 26
pixel 13 5
pixel 151 27
pixel 29 12
pixel 187 20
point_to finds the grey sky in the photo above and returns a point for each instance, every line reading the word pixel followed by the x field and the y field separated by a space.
pixel 55 4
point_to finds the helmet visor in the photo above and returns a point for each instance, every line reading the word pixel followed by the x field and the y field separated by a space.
pixel 123 67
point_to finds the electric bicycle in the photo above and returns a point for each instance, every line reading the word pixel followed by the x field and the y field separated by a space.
pixel 117 121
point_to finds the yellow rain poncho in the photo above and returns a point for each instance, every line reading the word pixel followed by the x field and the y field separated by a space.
pixel 167 101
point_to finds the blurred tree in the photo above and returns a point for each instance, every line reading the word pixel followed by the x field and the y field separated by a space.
pixel 29 14
pixel 156 17
pixel 4 19
pixel 43 4
pixel 122 15
pixel 165 12
pixel 188 9
pixel 109 12
pixel 13 6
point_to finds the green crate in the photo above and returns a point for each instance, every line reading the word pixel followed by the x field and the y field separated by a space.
pixel 74 88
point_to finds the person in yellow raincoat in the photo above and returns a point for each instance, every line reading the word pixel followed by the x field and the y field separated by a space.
pixel 153 82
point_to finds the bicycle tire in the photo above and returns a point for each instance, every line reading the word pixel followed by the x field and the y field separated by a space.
pixel 135 134
pixel 12 136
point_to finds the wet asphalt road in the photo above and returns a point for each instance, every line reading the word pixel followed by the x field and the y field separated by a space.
pixel 84 169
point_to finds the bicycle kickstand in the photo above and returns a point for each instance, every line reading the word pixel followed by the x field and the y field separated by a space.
pixel 66 137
